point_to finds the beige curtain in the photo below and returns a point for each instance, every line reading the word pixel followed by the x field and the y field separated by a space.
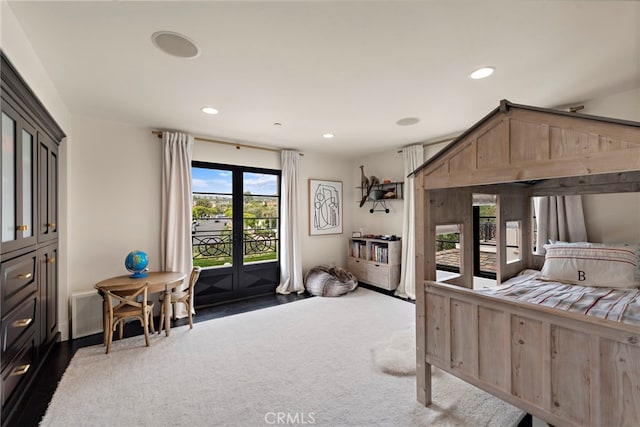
pixel 290 254
pixel 413 158
pixel 559 218
pixel 175 234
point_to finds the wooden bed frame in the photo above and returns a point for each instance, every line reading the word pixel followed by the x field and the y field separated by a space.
pixel 564 368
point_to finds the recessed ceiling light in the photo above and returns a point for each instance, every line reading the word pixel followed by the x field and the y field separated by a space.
pixel 328 135
pixel 408 121
pixel 209 110
pixel 175 44
pixel 481 73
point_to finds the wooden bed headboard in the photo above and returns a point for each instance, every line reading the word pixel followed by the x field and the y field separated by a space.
pixel 517 152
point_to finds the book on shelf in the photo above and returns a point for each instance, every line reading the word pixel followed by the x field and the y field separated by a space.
pixel 359 249
pixel 380 253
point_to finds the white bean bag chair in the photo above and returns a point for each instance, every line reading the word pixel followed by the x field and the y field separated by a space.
pixel 329 281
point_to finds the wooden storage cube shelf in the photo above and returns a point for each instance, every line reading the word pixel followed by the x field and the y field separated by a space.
pixel 375 261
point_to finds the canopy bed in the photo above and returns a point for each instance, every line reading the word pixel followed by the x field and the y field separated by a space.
pixel 566 367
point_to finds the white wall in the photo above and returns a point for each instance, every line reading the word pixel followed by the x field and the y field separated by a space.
pixel 114 199
pixel 622 105
pixel 328 249
pixel 613 218
pixel 230 155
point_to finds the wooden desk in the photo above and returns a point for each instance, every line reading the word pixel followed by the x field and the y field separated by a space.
pixel 159 281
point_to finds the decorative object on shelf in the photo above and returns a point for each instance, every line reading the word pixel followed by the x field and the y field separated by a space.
pixel 364 181
pixel 136 262
pixel 372 181
pixel 325 207
pixel 379 192
pixel 391 237
pixel 356 234
pixel 383 192
pixel 367 184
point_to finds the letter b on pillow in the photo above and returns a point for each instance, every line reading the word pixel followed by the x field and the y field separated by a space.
pixel 592 264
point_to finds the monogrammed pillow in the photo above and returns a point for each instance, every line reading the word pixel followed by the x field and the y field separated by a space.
pixel 611 266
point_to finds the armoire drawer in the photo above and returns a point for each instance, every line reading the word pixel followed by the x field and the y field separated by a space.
pixel 17 324
pixel 18 280
pixel 19 370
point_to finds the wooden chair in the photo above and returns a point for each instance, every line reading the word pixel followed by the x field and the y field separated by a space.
pixel 185 297
pixel 131 303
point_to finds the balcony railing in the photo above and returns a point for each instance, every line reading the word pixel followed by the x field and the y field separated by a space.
pixel 215 247
pixel 487 235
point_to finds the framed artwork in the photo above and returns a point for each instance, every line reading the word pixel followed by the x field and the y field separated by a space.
pixel 325 207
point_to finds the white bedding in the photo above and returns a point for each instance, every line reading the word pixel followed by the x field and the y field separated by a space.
pixel 620 305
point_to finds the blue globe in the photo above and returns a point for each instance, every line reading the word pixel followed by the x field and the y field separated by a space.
pixel 136 262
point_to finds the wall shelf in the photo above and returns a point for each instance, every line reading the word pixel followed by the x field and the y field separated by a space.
pixel 380 194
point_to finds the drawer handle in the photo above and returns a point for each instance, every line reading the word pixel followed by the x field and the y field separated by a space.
pixel 22 227
pixel 25 276
pixel 20 370
pixel 51 260
pixel 22 323
pixel 51 225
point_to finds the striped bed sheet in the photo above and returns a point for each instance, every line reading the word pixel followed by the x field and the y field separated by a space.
pixel 619 305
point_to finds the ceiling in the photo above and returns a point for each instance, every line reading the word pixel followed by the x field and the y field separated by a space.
pixel 349 68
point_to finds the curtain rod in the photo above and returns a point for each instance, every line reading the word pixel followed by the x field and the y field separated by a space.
pixel 440 141
pixel 234 144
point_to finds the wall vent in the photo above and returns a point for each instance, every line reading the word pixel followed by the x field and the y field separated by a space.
pixel 86 314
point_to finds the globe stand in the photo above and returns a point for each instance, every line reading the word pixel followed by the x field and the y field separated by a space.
pixel 138 275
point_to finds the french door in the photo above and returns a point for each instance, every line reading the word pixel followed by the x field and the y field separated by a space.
pixel 235 231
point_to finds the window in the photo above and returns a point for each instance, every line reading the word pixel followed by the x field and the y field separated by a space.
pixel 235 214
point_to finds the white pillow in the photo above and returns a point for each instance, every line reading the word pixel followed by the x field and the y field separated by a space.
pixel 630 246
pixel 592 264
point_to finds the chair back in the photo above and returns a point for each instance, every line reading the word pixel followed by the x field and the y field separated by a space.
pixel 127 298
pixel 195 273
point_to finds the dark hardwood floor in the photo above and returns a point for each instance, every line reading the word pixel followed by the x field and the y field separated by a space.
pixel 32 409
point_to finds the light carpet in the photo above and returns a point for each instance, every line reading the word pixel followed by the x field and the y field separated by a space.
pixel 308 362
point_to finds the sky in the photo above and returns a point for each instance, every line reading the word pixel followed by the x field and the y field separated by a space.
pixel 219 181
